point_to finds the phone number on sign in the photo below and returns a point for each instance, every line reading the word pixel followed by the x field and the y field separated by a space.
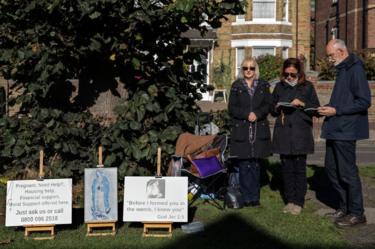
pixel 39 218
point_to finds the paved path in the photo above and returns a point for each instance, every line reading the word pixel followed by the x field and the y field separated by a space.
pixel 365 154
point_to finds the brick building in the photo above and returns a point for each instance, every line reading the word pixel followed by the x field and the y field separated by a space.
pixel 350 20
pixel 277 27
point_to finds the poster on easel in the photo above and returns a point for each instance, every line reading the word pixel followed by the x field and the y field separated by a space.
pixel 100 194
pixel 36 202
pixel 155 199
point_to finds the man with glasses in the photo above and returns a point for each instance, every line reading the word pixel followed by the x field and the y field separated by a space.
pixel 346 121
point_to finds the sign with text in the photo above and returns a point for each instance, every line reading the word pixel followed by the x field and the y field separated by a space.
pixel 32 202
pixel 150 199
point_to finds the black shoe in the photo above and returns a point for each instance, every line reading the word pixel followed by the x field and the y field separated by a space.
pixel 338 214
pixel 350 220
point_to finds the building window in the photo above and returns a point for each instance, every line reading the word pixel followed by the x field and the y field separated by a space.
pixel 240 18
pixel 264 9
pixel 285 10
pixel 285 53
pixel 240 56
pixel 334 33
pixel 258 51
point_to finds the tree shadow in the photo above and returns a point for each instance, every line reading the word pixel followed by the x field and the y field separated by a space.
pixel 235 233
pixel 322 187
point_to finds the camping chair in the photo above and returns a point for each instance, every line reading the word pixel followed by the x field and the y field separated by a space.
pixel 206 173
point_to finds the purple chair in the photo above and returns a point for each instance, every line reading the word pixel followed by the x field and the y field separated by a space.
pixel 205 175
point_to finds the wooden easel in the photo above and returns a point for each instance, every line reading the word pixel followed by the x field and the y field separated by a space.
pixel 101 225
pixel 40 228
pixel 147 226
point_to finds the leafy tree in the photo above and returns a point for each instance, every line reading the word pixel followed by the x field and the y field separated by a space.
pixel 103 43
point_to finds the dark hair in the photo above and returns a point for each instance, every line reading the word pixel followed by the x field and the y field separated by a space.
pixel 294 62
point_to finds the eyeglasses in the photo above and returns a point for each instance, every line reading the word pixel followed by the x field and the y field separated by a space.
pixel 293 75
pixel 248 68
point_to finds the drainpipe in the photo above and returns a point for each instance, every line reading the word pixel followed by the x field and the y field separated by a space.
pixel 364 17
pixel 346 22
pixel 297 29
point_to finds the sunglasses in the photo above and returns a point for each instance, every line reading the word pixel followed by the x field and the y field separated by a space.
pixel 248 68
pixel 293 75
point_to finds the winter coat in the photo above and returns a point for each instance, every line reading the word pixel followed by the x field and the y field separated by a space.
pixel 250 140
pixel 293 126
pixel 351 97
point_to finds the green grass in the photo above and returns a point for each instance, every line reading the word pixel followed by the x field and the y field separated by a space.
pixel 266 227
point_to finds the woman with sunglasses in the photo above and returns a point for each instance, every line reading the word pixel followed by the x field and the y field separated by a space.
pixel 292 136
pixel 249 104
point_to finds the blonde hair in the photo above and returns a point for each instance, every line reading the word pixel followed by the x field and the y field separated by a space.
pixel 250 59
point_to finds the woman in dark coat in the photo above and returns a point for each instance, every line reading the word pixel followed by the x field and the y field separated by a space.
pixel 249 104
pixel 292 136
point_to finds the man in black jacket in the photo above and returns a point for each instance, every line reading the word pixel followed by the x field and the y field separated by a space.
pixel 346 122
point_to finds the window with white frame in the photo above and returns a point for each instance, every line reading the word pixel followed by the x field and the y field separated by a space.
pixel 284 53
pixel 258 51
pixel 264 9
pixel 240 56
pixel 285 10
pixel 240 18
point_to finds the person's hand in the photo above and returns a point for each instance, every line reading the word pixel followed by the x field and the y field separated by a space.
pixel 298 103
pixel 327 111
pixel 252 117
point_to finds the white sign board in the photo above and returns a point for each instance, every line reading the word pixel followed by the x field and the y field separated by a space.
pixel 32 202
pixel 150 199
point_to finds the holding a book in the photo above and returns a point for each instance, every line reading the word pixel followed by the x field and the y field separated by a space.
pixel 293 136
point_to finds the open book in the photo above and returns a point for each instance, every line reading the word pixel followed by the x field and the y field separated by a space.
pixel 285 104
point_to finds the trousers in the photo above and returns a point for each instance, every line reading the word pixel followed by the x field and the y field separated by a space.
pixel 249 178
pixel 342 171
pixel 294 178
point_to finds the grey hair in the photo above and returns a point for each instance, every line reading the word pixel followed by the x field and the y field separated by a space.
pixel 337 43
pixel 257 74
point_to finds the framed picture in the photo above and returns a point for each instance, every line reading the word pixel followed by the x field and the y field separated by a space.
pixel 100 194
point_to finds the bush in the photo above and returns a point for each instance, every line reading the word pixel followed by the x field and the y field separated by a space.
pixel 326 70
pixel 269 66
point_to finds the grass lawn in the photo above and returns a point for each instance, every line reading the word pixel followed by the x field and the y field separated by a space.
pixel 265 227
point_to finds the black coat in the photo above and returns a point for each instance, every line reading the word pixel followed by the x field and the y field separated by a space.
pixel 351 97
pixel 293 130
pixel 240 105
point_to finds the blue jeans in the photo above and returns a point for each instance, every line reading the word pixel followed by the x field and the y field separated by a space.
pixel 249 174
pixel 342 171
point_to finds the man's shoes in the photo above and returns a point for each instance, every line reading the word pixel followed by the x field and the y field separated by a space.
pixel 350 220
pixel 338 214
pixel 252 204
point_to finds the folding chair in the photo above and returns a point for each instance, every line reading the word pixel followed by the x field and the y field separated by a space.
pixel 204 175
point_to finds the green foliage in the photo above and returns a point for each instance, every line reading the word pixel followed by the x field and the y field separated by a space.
pixel 222 75
pixel 223 120
pixel 44 43
pixel 68 139
pixel 269 66
pixel 326 70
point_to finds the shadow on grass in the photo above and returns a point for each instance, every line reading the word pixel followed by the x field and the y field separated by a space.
pixel 324 191
pixel 234 233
